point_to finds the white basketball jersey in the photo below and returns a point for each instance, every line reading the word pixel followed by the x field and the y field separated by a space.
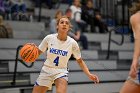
pixel 59 52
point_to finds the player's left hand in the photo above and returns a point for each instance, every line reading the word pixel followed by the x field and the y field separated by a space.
pixel 94 78
pixel 134 69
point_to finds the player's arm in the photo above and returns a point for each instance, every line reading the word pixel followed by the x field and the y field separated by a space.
pixel 43 45
pixel 39 51
pixel 135 23
pixel 77 54
pixel 86 70
pixel 136 29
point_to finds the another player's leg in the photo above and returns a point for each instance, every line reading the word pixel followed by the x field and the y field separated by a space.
pixel 61 85
pixel 130 87
pixel 40 89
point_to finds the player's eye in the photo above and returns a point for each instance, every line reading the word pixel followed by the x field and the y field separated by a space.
pixel 67 22
pixel 61 22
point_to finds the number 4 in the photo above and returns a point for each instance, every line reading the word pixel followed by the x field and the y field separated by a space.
pixel 56 61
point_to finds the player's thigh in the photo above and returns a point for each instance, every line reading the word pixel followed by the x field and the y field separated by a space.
pixel 39 89
pixel 130 87
pixel 61 85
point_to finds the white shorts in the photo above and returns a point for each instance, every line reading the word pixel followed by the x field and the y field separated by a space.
pixel 49 75
pixel 136 80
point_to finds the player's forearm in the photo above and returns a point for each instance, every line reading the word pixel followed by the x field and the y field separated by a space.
pixel 83 67
pixel 39 51
pixel 136 50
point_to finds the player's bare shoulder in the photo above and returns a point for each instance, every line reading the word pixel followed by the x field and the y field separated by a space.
pixel 135 18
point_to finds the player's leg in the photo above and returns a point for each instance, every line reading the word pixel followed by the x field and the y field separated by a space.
pixel 43 83
pixel 61 85
pixel 39 89
pixel 130 87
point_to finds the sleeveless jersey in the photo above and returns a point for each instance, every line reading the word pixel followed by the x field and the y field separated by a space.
pixel 59 52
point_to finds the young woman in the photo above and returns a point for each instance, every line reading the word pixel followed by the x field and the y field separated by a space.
pixel 132 84
pixel 59 47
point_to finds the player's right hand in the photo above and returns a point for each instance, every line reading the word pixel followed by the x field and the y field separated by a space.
pixel 133 70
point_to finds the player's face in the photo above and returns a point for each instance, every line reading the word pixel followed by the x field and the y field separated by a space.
pixel 63 25
pixel 76 2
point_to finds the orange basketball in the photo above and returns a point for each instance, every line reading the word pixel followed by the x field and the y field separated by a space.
pixel 29 52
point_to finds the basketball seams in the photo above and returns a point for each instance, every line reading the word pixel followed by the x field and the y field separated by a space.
pixel 29 52
pixel 36 54
pixel 24 50
pixel 28 58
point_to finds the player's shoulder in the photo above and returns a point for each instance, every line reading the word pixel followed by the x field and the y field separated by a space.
pixel 71 6
pixel 72 40
pixel 135 17
pixel 50 36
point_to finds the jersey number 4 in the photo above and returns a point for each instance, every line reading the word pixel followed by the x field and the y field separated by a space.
pixel 56 61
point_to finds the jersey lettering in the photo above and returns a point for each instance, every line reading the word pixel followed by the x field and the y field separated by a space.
pixel 58 52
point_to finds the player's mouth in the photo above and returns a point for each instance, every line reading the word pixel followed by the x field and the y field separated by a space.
pixel 64 28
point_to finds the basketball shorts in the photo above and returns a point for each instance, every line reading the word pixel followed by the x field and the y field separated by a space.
pixel 137 80
pixel 48 75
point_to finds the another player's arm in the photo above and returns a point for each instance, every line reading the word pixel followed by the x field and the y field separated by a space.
pixel 86 70
pixel 136 29
pixel 135 23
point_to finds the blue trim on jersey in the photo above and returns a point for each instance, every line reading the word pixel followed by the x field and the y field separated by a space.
pixel 36 84
pixel 63 76
pixel 139 75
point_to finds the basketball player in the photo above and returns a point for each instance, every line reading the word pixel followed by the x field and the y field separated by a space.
pixel 132 84
pixel 59 47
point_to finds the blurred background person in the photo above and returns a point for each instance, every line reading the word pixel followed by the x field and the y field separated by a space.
pixel 18 9
pixel 48 3
pixel 17 6
pixel 2 9
pixel 93 17
pixel 5 29
pixel 76 32
pixel 52 24
pixel 76 14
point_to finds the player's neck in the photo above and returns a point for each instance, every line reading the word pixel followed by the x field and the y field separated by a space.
pixel 62 37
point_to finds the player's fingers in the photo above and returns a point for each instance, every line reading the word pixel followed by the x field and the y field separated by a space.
pixel 135 69
pixel 132 73
pixel 97 79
